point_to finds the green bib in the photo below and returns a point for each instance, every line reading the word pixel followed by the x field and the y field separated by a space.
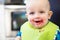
pixel 46 33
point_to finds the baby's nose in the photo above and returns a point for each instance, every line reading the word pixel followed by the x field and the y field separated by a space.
pixel 37 16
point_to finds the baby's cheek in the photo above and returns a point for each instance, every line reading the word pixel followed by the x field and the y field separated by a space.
pixel 45 19
pixel 31 20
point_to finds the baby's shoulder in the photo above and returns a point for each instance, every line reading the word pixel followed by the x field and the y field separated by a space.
pixel 23 26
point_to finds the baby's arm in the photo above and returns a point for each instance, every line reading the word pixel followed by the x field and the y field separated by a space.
pixel 58 35
pixel 18 36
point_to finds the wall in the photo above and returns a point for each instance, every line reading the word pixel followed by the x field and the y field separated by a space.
pixel 2 23
pixel 8 11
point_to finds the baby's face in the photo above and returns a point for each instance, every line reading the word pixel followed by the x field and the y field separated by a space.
pixel 38 14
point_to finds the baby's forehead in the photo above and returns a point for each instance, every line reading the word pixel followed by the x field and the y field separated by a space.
pixel 36 1
pixel 39 4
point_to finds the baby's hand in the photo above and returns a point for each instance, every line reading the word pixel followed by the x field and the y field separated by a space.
pixel 18 38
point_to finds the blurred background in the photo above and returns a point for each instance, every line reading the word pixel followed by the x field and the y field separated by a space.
pixel 2 28
pixel 12 16
pixel 55 7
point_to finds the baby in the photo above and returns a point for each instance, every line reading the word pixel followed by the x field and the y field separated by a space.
pixel 38 26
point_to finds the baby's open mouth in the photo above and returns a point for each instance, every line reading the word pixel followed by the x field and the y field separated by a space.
pixel 39 21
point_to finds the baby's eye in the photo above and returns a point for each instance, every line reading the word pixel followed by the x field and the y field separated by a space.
pixel 41 11
pixel 31 13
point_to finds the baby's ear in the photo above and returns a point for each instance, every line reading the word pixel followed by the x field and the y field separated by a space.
pixel 50 14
